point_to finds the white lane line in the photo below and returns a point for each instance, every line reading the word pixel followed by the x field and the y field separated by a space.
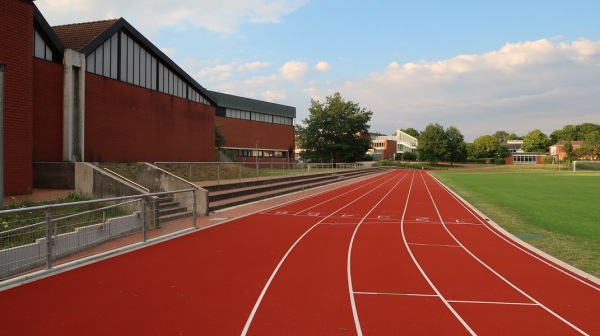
pixel 496 273
pixel 438 245
pixel 464 203
pixel 373 181
pixel 395 294
pixel 451 301
pixel 283 259
pixel 407 245
pixel 348 262
pixel 496 303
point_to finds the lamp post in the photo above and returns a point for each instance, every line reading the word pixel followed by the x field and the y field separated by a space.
pixel 257 159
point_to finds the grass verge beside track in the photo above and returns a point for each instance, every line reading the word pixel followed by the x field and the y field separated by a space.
pixel 556 212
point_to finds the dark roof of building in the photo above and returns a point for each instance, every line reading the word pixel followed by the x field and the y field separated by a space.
pixel 253 105
pixel 87 37
pixel 77 35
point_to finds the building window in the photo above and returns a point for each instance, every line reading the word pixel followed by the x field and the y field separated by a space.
pixel 40 47
pixel 129 62
pixel 257 116
pixel 524 159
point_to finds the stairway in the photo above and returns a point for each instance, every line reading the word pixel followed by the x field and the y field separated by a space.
pixel 228 195
pixel 169 209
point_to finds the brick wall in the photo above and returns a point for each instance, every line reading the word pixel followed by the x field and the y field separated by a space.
pixel 244 134
pixel 47 111
pixel 124 122
pixel 16 39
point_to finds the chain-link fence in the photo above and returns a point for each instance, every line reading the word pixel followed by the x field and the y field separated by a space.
pixel 42 237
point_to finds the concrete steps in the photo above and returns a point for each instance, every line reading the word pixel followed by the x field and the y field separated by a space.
pixel 228 195
pixel 169 209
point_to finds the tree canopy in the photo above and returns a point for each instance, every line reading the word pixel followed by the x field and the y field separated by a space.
pixel 336 130
pixel 486 146
pixel 535 141
pixel 437 144
pixel 457 149
pixel 573 132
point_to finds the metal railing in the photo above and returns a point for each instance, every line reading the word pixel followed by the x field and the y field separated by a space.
pixel 249 169
pixel 40 238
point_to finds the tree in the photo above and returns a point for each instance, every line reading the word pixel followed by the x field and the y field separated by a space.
pixel 591 144
pixel 501 136
pixel 219 137
pixel 433 144
pixel 569 153
pixel 335 130
pixel 535 141
pixel 585 129
pixel 456 148
pixel 411 131
pixel 486 146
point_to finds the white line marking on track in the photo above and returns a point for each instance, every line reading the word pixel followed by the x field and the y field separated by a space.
pixel 348 262
pixel 270 280
pixel 435 245
pixel 496 273
pixel 463 203
pixel 395 294
pixel 407 245
pixel 496 303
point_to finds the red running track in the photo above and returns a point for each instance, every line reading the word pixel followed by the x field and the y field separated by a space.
pixel 394 254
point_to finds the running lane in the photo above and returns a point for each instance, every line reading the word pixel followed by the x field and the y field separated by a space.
pixel 563 302
pixel 204 283
pixel 308 293
pixel 393 254
pixel 430 266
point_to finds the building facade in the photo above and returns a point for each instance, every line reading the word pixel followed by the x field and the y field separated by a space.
pixel 255 129
pixel 101 91
pixel 387 146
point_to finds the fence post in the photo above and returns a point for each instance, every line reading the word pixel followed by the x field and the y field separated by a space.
pixel 194 207
pixel 144 219
pixel 218 173
pixel 48 239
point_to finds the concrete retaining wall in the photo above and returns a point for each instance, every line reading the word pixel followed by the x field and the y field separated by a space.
pixel 158 180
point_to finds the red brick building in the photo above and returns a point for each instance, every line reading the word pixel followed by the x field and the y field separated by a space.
pixel 100 91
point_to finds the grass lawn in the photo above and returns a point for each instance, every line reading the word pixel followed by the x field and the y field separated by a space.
pixel 556 212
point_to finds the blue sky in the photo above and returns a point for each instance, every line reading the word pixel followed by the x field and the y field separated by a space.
pixel 481 66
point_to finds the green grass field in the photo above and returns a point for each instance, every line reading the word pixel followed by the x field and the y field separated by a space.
pixel 556 212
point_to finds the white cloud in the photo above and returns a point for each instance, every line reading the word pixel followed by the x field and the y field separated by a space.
pixel 294 70
pixel 520 87
pixel 216 73
pixel 323 67
pixel 275 96
pixel 253 66
pixel 150 15
pixel 169 51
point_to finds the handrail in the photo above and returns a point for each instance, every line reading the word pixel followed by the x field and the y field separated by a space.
pixel 62 205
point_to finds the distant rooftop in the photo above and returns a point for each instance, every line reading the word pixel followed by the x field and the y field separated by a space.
pixel 77 35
